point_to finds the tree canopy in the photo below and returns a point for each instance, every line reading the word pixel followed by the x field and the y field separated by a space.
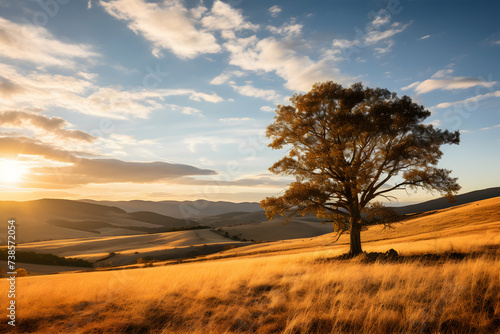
pixel 349 146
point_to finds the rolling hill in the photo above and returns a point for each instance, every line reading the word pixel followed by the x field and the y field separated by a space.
pixel 207 211
pixel 182 209
pixel 442 203
pixel 459 228
pixel 49 219
pixel 52 219
pixel 444 280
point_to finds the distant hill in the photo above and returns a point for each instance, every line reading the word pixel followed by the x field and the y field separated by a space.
pixel 182 209
pixel 48 219
pixel 228 213
pixel 52 219
pixel 235 218
pixel 442 203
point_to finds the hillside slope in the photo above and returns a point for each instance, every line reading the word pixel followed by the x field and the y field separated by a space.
pixel 459 228
pixel 49 219
pixel 442 203
pixel 128 249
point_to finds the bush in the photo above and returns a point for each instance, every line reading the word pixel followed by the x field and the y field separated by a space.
pixel 47 259
pixel 21 272
pixel 147 260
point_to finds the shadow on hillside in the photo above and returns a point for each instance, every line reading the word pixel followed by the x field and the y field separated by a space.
pixel 391 256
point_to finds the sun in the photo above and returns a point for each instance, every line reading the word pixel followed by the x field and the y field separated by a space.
pixel 11 171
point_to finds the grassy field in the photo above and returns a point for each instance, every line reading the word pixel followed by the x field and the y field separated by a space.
pixel 307 289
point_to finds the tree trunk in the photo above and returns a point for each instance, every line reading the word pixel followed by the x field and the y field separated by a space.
pixel 355 234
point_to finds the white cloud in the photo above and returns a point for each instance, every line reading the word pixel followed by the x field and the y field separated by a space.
pixel 377 31
pixel 442 73
pixel 386 49
pixel 37 45
pixel 468 101
pixel 225 18
pixel 225 76
pixel 249 90
pixel 42 125
pixel 168 25
pixel 413 85
pixel 198 96
pixel 190 110
pixel 234 120
pixel 275 10
pixel 375 36
pixel 490 127
pixel 343 43
pixel 18 87
pixel 115 102
pixel 267 109
pixel 454 83
pixel 272 55
pixel 87 75
pixel 381 20
pixel 493 39
pixel 287 29
pixel 425 37
pixel 435 122
pixel 33 90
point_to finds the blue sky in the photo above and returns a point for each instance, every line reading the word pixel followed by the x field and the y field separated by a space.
pixel 136 99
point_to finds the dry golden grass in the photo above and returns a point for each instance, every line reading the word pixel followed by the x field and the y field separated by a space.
pixel 288 293
pixel 302 289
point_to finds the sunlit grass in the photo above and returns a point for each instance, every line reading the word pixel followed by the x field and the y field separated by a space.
pixel 296 286
pixel 288 293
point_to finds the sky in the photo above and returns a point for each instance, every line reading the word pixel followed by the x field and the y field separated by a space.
pixel 169 100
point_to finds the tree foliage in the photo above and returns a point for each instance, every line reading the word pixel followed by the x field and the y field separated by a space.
pixel 345 145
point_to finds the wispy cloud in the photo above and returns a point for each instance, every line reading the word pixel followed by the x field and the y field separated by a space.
pixel 267 109
pixel 378 35
pixel 249 90
pixel 226 19
pixel 260 180
pixel 287 29
pixel 442 80
pixel 493 39
pixel 275 10
pixel 168 25
pixel 375 36
pixel 273 55
pixel 33 90
pixel 235 120
pixel 425 37
pixel 468 101
pixel 48 125
pixel 442 73
pixel 455 83
pixel 490 127
pixel 37 45
pixel 225 76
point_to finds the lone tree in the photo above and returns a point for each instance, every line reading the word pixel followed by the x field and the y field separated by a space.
pixel 346 144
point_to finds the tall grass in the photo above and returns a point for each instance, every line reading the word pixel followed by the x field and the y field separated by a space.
pixel 305 293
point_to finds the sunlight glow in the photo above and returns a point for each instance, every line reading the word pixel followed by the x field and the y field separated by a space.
pixel 11 171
